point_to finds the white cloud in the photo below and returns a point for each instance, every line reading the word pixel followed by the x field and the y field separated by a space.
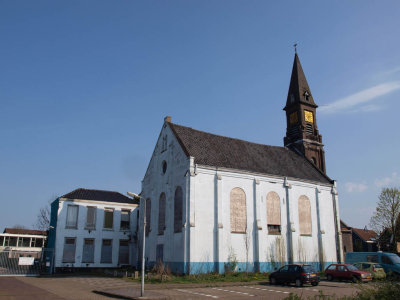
pixel 360 101
pixel 388 181
pixel 352 187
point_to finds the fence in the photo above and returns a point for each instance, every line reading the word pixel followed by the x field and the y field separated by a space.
pixel 25 263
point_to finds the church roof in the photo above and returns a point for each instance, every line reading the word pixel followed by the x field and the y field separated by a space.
pixel 99 195
pixel 219 151
pixel 298 86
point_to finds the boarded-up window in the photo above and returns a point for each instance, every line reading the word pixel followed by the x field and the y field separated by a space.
pixel 123 256
pixel 161 214
pixel 69 250
pixel 106 252
pixel 108 218
pixel 238 211
pixel 91 217
pixel 148 216
pixel 304 215
pixel 178 206
pixel 72 216
pixel 273 213
pixel 125 219
pixel 88 251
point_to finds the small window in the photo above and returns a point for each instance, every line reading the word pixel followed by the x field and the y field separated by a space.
pixel 106 252
pixel 164 166
pixel 108 218
pixel 125 218
pixel 123 256
pixel 386 260
pixel 69 250
pixel 91 217
pixel 72 216
pixel 88 251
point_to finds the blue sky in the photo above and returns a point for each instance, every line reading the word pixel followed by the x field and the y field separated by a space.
pixel 85 86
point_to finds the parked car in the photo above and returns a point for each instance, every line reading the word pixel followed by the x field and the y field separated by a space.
pixel 347 272
pixel 389 261
pixel 298 274
pixel 375 269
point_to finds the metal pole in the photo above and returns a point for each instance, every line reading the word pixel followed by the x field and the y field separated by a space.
pixel 143 244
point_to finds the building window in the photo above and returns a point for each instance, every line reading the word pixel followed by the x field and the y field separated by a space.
pixel 108 218
pixel 164 167
pixel 72 216
pixel 148 216
pixel 273 213
pixel 160 253
pixel 106 252
pixel 238 211
pixel 37 242
pixel 69 250
pixel 161 214
pixel 1 241
pixel 125 219
pixel 24 242
pixel 164 143
pixel 178 207
pixel 10 241
pixel 304 207
pixel 88 251
pixel 123 256
pixel 91 217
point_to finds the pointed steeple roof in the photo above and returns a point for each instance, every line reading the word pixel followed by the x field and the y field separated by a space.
pixel 299 91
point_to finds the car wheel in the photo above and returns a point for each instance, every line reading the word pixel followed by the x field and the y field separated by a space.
pixel 329 277
pixel 314 283
pixel 299 283
pixel 355 279
pixel 272 281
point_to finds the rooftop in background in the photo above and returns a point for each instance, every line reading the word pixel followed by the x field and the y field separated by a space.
pixel 365 234
pixel 219 151
pixel 24 231
pixel 99 195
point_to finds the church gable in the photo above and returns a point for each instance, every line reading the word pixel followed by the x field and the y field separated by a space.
pixel 219 151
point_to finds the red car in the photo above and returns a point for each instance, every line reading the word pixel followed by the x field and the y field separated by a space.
pixel 347 272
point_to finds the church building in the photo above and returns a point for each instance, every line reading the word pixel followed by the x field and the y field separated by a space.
pixel 216 203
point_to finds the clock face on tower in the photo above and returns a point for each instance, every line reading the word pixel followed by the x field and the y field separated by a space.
pixel 308 116
pixel 293 118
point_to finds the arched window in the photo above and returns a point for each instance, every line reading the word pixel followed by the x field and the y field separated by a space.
pixel 273 213
pixel 304 215
pixel 178 209
pixel 238 211
pixel 148 216
pixel 161 214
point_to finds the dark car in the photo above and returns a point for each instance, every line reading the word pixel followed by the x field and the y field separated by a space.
pixel 298 274
pixel 347 272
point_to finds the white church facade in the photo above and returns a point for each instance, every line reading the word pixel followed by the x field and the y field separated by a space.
pixel 212 200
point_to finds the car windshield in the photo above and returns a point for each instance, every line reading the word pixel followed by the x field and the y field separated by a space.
pixel 395 259
pixel 352 268
pixel 308 269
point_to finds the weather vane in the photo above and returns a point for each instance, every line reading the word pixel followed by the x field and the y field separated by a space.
pixel 295 48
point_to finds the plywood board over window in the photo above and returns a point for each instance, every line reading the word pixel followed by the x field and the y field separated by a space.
pixel 273 213
pixel 304 207
pixel 238 211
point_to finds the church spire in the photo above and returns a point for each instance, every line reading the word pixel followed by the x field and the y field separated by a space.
pixel 302 135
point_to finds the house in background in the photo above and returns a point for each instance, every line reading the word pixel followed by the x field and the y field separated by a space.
pixel 23 242
pixel 93 229
pixel 347 237
pixel 358 240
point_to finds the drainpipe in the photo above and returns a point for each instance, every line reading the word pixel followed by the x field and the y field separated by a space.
pixel 289 223
pixel 338 233
pixel 320 231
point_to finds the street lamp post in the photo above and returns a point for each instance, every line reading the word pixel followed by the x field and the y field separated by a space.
pixel 144 237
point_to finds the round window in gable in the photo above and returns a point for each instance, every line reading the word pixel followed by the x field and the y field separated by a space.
pixel 164 167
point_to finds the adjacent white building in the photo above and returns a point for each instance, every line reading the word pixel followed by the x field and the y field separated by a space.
pixel 213 200
pixel 19 242
pixel 93 229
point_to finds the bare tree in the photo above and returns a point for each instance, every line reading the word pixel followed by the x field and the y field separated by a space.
pixel 43 217
pixel 19 226
pixel 386 215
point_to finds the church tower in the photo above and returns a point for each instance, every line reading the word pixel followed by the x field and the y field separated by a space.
pixel 302 135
